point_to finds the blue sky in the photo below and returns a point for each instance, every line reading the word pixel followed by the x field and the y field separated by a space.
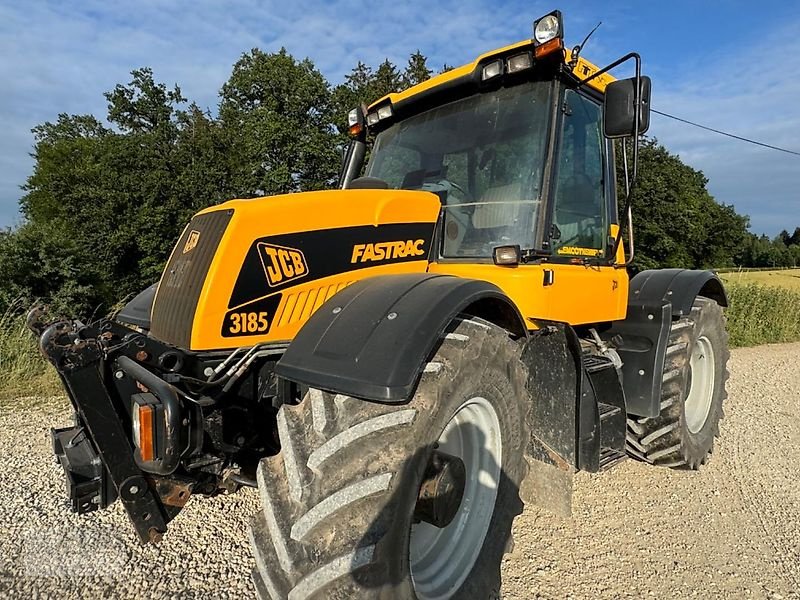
pixel 727 64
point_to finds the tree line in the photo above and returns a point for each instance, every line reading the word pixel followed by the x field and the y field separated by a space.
pixel 107 198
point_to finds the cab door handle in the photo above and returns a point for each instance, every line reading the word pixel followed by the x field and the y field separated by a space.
pixel 548 278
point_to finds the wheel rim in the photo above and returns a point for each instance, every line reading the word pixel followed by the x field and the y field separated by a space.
pixel 441 559
pixel 701 388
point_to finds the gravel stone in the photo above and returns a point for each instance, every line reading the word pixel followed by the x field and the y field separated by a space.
pixel 730 530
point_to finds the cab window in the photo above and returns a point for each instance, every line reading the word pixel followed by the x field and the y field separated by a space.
pixel 579 213
pixel 484 156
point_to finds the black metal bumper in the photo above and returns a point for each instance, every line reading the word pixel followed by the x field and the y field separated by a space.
pixel 88 484
pixel 97 454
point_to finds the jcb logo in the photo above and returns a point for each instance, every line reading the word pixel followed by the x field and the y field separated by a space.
pixel 282 264
pixel 191 241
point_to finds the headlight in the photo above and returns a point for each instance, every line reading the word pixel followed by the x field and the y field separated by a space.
pixel 519 62
pixel 493 69
pixel 372 118
pixel 352 117
pixel 384 112
pixel 546 29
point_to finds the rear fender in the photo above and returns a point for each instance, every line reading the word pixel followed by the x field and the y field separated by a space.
pixel 656 298
pixel 679 287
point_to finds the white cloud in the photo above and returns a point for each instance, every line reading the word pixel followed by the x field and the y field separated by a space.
pixel 750 91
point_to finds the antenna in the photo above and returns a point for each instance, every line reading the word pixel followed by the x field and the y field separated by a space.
pixel 576 51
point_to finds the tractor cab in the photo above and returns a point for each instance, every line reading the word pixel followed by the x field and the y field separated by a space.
pixel 519 147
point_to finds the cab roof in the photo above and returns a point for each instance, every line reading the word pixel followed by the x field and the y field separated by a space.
pixel 582 70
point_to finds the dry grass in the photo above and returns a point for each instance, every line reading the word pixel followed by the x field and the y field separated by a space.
pixel 24 370
pixel 786 278
pixel 762 314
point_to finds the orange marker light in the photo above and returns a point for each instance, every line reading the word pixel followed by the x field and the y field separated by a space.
pixel 146 437
pixel 548 47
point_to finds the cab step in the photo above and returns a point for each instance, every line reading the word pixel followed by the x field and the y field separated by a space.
pixel 607 411
pixel 609 457
pixel 602 415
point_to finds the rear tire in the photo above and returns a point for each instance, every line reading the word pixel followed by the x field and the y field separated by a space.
pixel 692 393
pixel 338 501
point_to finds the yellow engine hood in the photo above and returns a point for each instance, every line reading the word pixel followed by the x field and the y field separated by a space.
pixel 250 271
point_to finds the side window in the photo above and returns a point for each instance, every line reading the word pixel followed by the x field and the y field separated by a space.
pixel 579 209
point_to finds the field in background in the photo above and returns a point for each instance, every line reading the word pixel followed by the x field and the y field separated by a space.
pixel 764 308
pixel 783 278
pixel 761 314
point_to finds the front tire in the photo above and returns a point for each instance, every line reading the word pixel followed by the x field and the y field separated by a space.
pixel 338 518
pixel 692 393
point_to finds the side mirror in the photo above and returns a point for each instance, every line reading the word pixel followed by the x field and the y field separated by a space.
pixel 619 108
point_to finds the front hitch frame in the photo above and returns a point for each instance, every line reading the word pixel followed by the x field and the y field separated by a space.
pixel 78 354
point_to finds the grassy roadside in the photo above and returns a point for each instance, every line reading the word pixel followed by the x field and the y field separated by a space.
pixel 24 370
pixel 758 314
pixel 762 314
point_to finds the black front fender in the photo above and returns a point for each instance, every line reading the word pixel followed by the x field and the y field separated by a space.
pixel 371 340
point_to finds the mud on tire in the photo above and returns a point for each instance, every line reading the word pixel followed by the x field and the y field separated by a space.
pixel 682 436
pixel 338 501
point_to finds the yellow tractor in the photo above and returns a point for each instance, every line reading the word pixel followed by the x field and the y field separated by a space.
pixel 398 365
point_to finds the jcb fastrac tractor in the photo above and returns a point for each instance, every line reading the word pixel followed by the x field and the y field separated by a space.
pixel 399 364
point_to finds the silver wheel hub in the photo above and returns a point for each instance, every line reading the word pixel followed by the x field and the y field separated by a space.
pixel 442 558
pixel 701 389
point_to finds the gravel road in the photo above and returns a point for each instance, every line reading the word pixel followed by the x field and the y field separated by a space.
pixel 730 530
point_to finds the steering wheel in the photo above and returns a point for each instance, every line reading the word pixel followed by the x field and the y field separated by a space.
pixel 464 196
pixel 459 194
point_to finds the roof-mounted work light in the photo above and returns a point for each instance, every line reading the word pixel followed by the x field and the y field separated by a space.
pixel 492 70
pixel 548 34
pixel 547 28
pixel 382 113
pixel 355 122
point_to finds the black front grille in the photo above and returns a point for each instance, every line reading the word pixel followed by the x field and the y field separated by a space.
pixel 183 279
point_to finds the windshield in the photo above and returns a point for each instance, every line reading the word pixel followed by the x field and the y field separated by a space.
pixel 484 156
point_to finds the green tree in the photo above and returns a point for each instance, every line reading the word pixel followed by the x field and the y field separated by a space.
pixel 276 113
pixel 387 80
pixel 38 260
pixel 417 70
pixel 115 199
pixel 677 223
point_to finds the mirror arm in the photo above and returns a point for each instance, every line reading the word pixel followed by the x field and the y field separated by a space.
pixel 627 211
pixel 630 184
pixel 354 159
pixel 616 63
